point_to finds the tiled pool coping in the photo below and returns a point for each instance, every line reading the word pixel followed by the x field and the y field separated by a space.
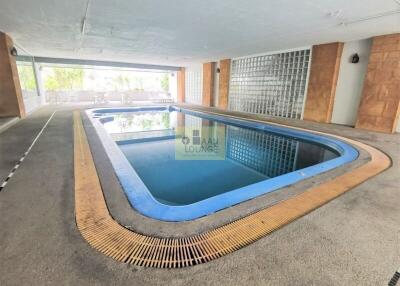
pixel 142 200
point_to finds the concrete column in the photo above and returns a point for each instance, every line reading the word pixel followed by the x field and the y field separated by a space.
pixel 216 85
pixel 208 84
pixel 321 90
pixel 172 87
pixel 39 83
pixel 180 120
pixel 11 100
pixel 350 82
pixel 380 102
pixel 181 85
pixel 224 76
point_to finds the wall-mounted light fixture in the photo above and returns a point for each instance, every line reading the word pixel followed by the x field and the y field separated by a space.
pixel 14 52
pixel 218 70
pixel 355 59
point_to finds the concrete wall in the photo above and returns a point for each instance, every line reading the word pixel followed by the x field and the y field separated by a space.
pixel 27 73
pixel 31 100
pixel 350 82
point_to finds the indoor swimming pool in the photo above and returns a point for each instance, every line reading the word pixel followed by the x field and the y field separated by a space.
pixel 178 164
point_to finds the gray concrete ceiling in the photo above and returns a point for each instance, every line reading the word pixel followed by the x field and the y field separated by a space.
pixel 182 32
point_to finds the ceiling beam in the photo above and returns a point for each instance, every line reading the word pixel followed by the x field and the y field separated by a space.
pixel 64 61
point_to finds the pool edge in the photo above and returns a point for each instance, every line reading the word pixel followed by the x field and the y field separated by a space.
pixel 106 235
pixel 142 200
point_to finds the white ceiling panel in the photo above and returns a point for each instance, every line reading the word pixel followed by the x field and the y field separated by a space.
pixel 182 32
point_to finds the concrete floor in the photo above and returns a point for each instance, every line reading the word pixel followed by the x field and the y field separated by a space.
pixel 353 240
pixel 7 122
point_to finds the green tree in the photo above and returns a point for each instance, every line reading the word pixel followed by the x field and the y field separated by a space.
pixel 128 82
pixel 138 83
pixel 65 79
pixel 122 82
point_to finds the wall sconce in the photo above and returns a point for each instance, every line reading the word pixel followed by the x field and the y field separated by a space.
pixel 14 52
pixel 355 59
pixel 218 70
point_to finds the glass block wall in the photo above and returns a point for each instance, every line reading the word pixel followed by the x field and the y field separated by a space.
pixel 263 152
pixel 193 86
pixel 273 85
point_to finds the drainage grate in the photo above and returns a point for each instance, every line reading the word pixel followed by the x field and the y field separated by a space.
pixel 103 233
pixel 395 278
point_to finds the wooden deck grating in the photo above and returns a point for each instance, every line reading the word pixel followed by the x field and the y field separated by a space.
pixel 106 235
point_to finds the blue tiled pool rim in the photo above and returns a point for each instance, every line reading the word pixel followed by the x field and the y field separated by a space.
pixel 142 200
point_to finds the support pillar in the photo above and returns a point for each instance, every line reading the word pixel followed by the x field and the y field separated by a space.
pixel 321 90
pixel 224 76
pixel 208 84
pixel 181 85
pixel 380 102
pixel 39 83
pixel 11 100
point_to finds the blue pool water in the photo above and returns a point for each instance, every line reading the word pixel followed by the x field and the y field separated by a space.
pixel 178 164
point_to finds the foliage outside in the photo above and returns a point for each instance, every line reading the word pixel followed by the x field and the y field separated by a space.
pixel 65 79
pixel 127 82
pixel 103 80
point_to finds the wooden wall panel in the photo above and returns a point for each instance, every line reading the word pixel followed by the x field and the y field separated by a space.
pixel 380 103
pixel 208 84
pixel 224 77
pixel 11 100
pixel 181 85
pixel 321 90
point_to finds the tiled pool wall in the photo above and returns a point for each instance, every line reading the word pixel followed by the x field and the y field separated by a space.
pixel 141 199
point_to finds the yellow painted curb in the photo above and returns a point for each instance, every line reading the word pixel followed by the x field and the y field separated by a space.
pixel 106 235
